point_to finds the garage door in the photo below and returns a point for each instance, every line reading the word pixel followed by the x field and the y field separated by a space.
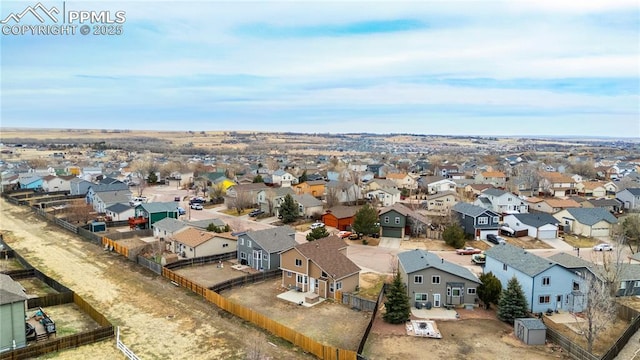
pixel 546 234
pixel 484 233
pixel 599 232
pixel 392 232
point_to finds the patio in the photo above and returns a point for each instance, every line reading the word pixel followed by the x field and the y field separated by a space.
pixel 306 299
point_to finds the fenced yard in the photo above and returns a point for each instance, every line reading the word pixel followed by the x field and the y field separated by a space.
pixel 209 274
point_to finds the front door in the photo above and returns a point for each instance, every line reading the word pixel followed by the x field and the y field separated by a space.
pixel 257 259
pixel 436 300
pixel 312 284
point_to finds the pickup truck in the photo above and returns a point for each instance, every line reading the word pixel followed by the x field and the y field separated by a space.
pixel 468 251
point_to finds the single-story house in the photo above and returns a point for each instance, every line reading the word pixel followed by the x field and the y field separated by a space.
pixel 192 243
pixel 540 226
pixel 589 222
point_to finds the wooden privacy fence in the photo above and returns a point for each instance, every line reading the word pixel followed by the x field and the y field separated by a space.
pixel 363 341
pixel 247 279
pixel 626 313
pixel 120 249
pixel 149 264
pixel 58 344
pixel 574 350
pixel 306 343
pixel 356 302
pixel 202 260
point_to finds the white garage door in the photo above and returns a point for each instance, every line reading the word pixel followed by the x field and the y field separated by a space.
pixel 546 234
pixel 599 232
pixel 484 233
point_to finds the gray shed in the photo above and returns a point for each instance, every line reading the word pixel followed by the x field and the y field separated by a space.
pixel 531 331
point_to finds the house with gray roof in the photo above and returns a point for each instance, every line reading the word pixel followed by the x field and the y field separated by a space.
pixel 13 306
pixel 539 225
pixel 384 196
pixel 309 206
pixel 102 200
pixel 629 280
pixel 271 198
pixel 545 283
pixel 477 221
pixel 630 198
pixel 147 214
pixel 588 222
pixel 79 186
pixel 261 249
pixel 167 227
pixel 432 280
pixel 501 201
pixel 120 211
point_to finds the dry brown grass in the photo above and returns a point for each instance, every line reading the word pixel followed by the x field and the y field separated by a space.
pixel 580 241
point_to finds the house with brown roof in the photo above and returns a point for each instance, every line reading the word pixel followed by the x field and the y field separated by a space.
pixel 550 206
pixel 403 180
pixel 477 189
pixel 314 188
pixel 495 178
pixel 556 184
pixel 192 243
pixel 320 267
pixel 340 217
pixel 594 189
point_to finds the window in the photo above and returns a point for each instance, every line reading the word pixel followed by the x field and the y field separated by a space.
pixel 417 279
pixel 435 279
pixel 386 219
pixel 265 256
pixel 636 284
pixel 496 219
pixel 448 291
pixel 289 274
pixel 241 241
pixel 544 299
pixel 456 292
pixel 483 220
pixel 421 297
pixel 471 291
pixel 301 279
pixel 249 243
pixel 504 267
pixel 298 263
pixel 225 245
pixel 546 281
pixel 576 286
pixel 397 220
pixel 243 255
pixel 339 285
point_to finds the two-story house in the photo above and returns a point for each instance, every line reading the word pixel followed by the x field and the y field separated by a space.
pixel 546 284
pixel 431 279
pixel 104 199
pixel 308 206
pixel 403 180
pixel 442 201
pixel 343 192
pixel 398 221
pixel 147 214
pixel 260 249
pixel 384 196
pixel 320 267
pixel 592 189
pixel 501 201
pixel 437 184
pixel 283 178
pixel 314 188
pixel 270 199
pixel 556 184
pixel 477 221
pixel 630 198
pixel 495 178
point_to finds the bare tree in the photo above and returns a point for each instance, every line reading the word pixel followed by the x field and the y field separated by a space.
pixel 241 201
pixel 599 310
pixel 332 197
pixel 79 211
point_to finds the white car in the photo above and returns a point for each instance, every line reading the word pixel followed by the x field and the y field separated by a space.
pixel 603 247
pixel 316 225
pixel 196 206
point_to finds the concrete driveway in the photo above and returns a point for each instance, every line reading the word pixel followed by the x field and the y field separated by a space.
pixel 390 243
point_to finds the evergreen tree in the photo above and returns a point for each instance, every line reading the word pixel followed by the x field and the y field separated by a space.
pixel 512 304
pixel 490 289
pixel 289 209
pixel 303 177
pixel 453 235
pixel 152 178
pixel 397 308
pixel 258 179
pixel 366 220
pixel 317 233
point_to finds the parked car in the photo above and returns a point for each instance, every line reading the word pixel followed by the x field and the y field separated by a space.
pixel 344 234
pixel 176 198
pixel 181 211
pixel 603 247
pixel 495 239
pixel 374 235
pixel 478 259
pixel 468 251
pixel 355 236
pixel 197 200
pixel 256 212
pixel 316 225
pixel 196 206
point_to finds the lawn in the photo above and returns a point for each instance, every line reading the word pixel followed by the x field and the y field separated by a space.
pixel 580 241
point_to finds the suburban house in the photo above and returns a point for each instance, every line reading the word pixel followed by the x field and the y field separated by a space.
pixel 545 283
pixel 442 201
pixel 476 189
pixel 204 224
pixel 342 191
pixel 593 189
pixel 398 221
pixel 501 201
pixel 30 181
pixel 431 279
pixel 630 198
pixel 247 193
pixel 99 188
pixel 550 206
pixel 377 184
pixel 403 180
pixel 384 196
pixel 309 206
pixel 477 221
pixel 120 211
pixel 449 171
pixel 283 178
pixel 103 200
pixel 437 184
pixel 314 188
pixel 191 243
pixel 51 183
pixel 495 178
pixel 540 226
pixel 614 206
pixel 321 267
pixel 147 214
pixel 13 306
pixel 271 198
pixel 629 280
pixel 167 227
pixel 556 184
pixel 78 186
pixel 589 222
pixel 261 249
pixel 340 217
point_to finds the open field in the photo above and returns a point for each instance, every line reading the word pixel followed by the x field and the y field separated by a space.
pixel 328 322
pixel 137 300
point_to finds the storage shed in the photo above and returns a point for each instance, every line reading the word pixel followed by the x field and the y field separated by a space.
pixel 531 331
pixel 98 226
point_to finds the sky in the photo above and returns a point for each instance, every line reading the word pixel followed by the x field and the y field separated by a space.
pixel 539 67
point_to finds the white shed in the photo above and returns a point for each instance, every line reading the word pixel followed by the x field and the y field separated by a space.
pixel 531 331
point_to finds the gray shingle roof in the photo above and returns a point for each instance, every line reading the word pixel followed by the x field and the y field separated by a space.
pixel 494 192
pixel 519 259
pixel 571 262
pixel 532 323
pixel 159 207
pixel 536 220
pixel 170 224
pixel 307 200
pixel 109 187
pixel 273 240
pixel 112 197
pixel 470 209
pixel 119 208
pixel 590 216
pixel 416 260
pixel 203 224
pixel 634 191
pixel 10 290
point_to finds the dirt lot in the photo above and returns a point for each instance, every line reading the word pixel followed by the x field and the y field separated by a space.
pixel 35 287
pixel 138 301
pixel 328 322
pixel 69 319
pixel 482 339
pixel 210 274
